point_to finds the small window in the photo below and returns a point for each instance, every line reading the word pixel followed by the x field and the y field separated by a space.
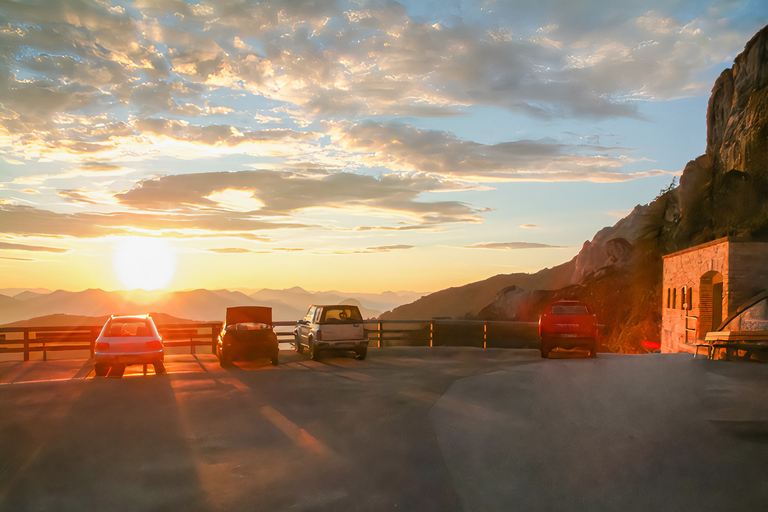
pixel 669 297
pixel 690 297
pixel 674 298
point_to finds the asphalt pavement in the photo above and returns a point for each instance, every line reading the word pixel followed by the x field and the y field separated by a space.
pixel 417 429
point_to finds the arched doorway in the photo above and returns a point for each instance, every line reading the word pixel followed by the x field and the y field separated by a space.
pixel 710 302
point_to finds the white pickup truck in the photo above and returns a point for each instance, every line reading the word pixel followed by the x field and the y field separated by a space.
pixel 338 327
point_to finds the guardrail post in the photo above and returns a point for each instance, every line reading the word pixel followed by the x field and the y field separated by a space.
pixel 431 332
pixel 26 345
pixel 485 335
pixel 380 333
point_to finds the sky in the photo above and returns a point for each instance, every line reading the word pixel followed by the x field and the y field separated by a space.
pixel 340 145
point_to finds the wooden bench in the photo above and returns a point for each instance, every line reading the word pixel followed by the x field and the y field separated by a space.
pixel 751 342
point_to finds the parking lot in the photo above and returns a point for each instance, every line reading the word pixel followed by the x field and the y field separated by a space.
pixel 406 429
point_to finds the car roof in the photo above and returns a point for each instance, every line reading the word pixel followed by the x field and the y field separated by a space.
pixel 744 305
pixel 130 317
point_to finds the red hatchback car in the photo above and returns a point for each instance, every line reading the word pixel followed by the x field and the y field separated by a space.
pixel 568 324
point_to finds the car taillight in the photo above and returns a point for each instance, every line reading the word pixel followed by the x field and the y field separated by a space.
pixel 102 346
pixel 154 345
pixel 319 335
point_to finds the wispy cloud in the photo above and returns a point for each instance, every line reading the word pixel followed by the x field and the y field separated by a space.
pixel 513 245
pixel 10 246
pixel 404 148
pixel 386 248
pixel 239 250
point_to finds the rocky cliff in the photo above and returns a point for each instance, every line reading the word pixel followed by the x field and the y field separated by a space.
pixel 721 193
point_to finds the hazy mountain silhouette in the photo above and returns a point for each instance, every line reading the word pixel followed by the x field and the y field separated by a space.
pixel 198 305
pixel 59 320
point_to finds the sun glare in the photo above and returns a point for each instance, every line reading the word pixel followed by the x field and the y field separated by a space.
pixel 146 263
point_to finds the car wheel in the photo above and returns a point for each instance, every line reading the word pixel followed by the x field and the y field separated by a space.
pixel 159 368
pixel 224 359
pixel 545 350
pixel 101 369
pixel 360 353
pixel 299 347
pixel 593 350
pixel 314 352
pixel 117 370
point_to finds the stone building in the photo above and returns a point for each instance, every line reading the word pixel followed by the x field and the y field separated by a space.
pixel 706 283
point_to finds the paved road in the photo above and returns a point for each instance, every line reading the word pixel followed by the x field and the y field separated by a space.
pixel 407 429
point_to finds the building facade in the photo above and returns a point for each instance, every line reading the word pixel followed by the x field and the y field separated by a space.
pixel 706 283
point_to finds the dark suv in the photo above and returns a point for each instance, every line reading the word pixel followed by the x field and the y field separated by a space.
pixel 248 333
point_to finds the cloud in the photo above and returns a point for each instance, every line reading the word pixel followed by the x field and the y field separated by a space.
pixel 245 204
pixel 32 221
pixel 513 245
pixel 529 226
pixel 239 250
pixel 284 193
pixel 385 248
pixel 404 148
pixel 9 246
pixel 167 58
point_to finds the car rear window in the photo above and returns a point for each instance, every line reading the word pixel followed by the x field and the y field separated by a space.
pixel 119 328
pixel 338 315
pixel 754 318
pixel 570 309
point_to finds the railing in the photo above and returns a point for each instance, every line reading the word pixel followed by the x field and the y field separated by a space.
pixel 54 339
pixel 437 333
pixel 386 333
pixel 453 333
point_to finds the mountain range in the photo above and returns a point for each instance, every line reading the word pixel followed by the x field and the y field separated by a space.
pixel 199 305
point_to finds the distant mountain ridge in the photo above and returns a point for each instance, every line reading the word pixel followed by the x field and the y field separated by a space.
pixel 198 305
pixel 60 320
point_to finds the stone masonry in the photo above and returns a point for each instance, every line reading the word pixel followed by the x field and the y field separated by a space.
pixel 708 282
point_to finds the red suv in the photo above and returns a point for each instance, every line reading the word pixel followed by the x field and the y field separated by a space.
pixel 568 324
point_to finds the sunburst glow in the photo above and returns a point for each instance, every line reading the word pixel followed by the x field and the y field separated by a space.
pixel 146 263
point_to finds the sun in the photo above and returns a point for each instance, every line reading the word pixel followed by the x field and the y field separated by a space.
pixel 143 262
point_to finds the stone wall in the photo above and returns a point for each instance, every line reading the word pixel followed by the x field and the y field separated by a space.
pixel 691 281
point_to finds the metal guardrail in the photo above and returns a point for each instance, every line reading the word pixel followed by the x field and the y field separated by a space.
pixel 59 338
pixel 438 332
pixel 382 333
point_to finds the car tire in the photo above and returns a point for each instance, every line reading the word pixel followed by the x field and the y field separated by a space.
pixel 117 371
pixel 314 352
pixel 545 348
pixel 159 368
pixel 298 346
pixel 273 360
pixel 360 353
pixel 224 359
pixel 101 369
